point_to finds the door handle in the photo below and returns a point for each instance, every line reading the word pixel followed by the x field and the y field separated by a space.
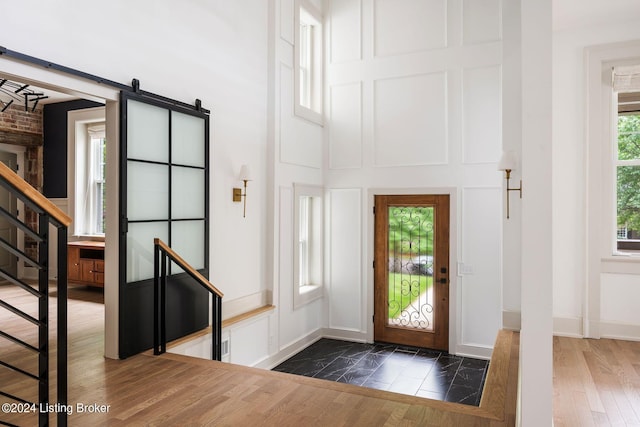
pixel 443 280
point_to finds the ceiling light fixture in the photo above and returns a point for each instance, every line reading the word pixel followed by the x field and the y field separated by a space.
pixel 20 94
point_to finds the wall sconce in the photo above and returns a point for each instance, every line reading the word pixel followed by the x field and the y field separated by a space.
pixel 507 163
pixel 238 195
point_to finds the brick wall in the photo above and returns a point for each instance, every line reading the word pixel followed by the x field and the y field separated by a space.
pixel 16 119
pixel 24 128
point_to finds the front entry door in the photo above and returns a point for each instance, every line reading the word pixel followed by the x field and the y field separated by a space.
pixel 411 295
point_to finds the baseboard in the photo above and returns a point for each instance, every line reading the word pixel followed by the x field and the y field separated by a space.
pixel 562 326
pixel 474 350
pixel 346 335
pixel 511 320
pixel 620 331
pixel 568 327
pixel 295 347
pixel 289 350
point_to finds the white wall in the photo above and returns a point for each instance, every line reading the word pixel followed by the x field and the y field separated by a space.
pixel 414 103
pixel 294 156
pixel 570 188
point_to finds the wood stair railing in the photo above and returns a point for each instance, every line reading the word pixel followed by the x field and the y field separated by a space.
pixel 48 214
pixel 162 251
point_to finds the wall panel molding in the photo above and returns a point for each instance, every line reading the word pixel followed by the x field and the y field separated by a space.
pixel 300 141
pixel 410 120
pixel 345 130
pixel 482 114
pixel 481 21
pixel 408 26
pixel 344 230
pixel 481 253
pixel 286 20
pixel 345 36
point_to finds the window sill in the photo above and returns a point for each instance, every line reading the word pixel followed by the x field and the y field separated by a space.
pixel 623 263
pixel 306 294
pixel 99 237
pixel 309 114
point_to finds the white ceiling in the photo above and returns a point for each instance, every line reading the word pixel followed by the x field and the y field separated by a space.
pixel 571 14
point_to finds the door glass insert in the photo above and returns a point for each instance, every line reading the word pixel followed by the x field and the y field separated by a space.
pixel 411 264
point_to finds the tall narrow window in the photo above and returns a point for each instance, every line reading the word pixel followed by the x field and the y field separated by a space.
pixel 303 240
pixel 97 189
pixel 308 235
pixel 308 62
pixel 305 63
pixel 87 183
pixel 627 167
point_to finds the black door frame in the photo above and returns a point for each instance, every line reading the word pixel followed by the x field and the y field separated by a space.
pixel 135 326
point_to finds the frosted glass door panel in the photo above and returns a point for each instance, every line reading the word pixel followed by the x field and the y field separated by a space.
pixel 187 193
pixel 188 241
pixel 147 192
pixel 187 140
pixel 147 132
pixel 140 248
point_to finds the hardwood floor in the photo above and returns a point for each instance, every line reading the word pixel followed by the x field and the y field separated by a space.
pixel 596 382
pixel 178 390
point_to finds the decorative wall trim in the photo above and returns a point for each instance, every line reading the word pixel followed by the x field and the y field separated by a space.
pixel 290 349
pixel 286 21
pixel 621 265
pixel 344 278
pixel 620 331
pixel 346 335
pixel 476 106
pixel 431 91
pixel 243 304
pixel 358 57
pixel 568 327
pixel 469 39
pixel 476 351
pixel 409 45
pixel 335 142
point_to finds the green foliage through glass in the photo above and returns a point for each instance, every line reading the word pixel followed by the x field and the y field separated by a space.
pixel 628 177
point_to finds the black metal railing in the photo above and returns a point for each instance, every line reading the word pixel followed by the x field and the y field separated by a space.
pixel 47 214
pixel 162 253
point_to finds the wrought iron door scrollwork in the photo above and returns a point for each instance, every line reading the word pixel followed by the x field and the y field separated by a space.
pixel 411 243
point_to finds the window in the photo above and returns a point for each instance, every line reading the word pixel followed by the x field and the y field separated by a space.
pixel 308 239
pixel 627 171
pixel 87 173
pixel 308 62
pixel 97 157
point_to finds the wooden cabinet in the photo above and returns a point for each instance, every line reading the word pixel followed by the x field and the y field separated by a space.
pixel 86 263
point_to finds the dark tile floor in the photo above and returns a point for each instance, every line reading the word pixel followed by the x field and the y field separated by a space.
pixel 401 369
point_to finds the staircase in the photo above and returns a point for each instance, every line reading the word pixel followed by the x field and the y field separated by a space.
pixel 31 359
